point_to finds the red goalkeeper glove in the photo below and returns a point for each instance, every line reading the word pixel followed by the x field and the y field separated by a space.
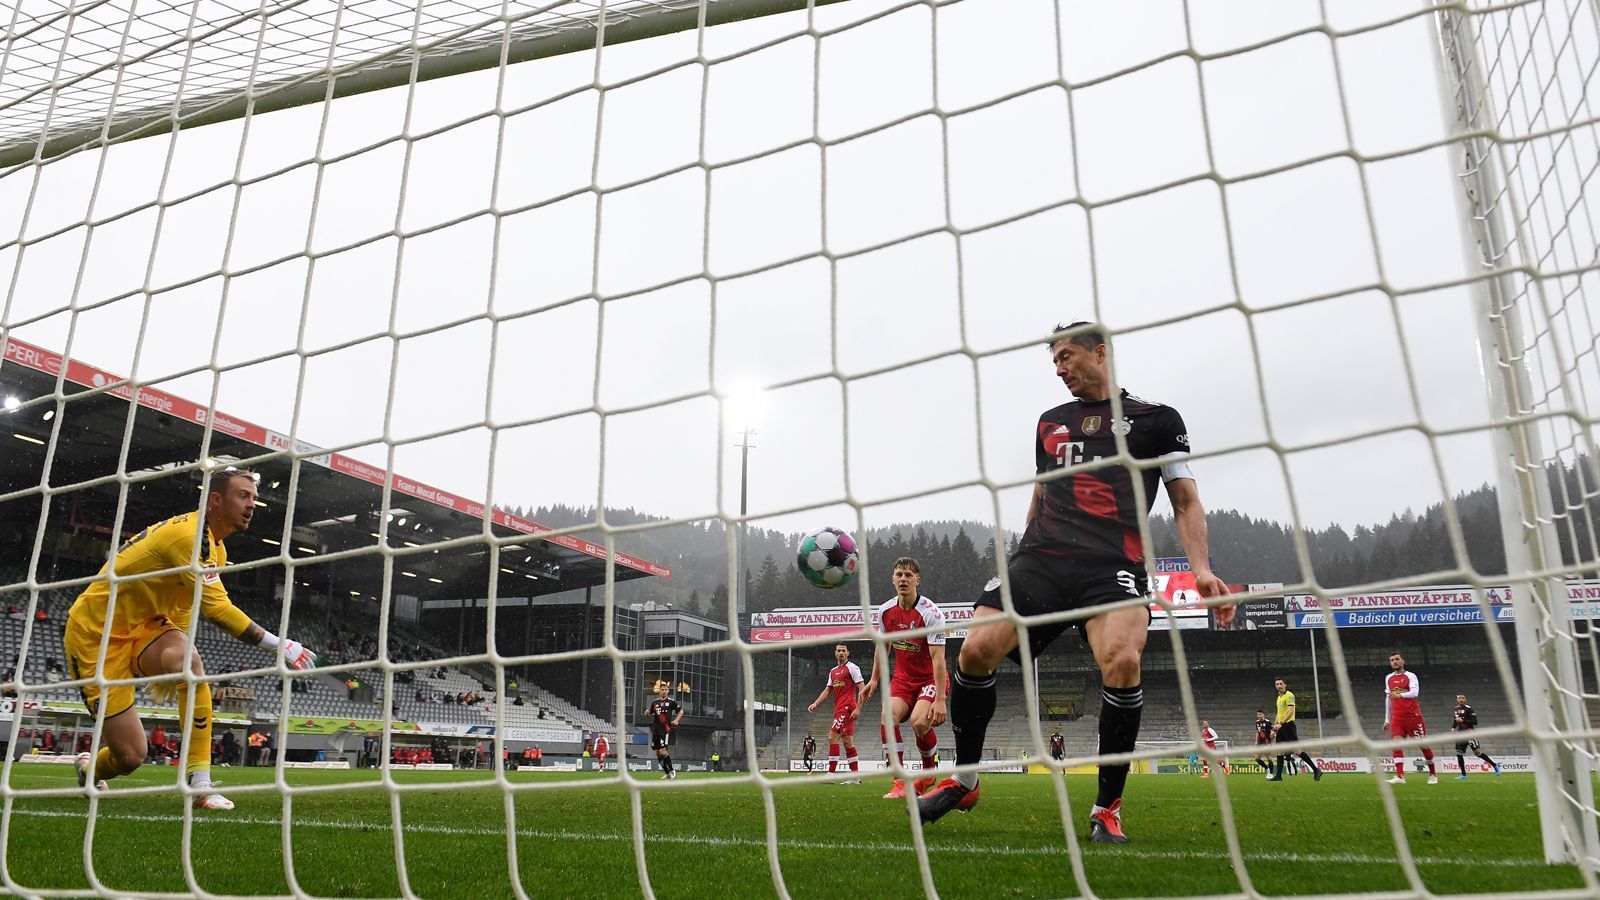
pixel 298 655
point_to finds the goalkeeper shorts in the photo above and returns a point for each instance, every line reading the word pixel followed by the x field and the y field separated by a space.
pixel 122 660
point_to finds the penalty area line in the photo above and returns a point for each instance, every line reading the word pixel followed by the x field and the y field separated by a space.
pixel 846 846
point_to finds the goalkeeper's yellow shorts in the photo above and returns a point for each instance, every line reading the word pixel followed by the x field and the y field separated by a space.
pixel 122 660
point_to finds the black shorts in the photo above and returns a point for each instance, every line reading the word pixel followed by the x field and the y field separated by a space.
pixel 1287 732
pixel 1047 584
pixel 1057 753
pixel 660 740
pixel 1468 744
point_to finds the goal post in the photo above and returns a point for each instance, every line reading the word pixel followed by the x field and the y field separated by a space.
pixel 1499 239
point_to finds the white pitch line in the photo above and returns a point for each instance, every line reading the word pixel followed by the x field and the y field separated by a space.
pixel 849 846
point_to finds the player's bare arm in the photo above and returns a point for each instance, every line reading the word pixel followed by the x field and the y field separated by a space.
pixel 1190 517
pixel 872 681
pixel 820 697
pixel 1033 503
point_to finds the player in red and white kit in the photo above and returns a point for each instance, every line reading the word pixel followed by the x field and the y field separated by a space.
pixel 1402 714
pixel 602 749
pixel 919 686
pixel 845 683
pixel 1209 736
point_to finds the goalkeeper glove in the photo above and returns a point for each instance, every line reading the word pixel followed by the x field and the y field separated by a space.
pixel 295 653
pixel 298 655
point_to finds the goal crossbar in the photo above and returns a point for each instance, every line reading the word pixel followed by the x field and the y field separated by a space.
pixel 30 130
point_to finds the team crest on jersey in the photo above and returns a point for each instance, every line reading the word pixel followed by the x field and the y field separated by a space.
pixel 1122 425
pixel 992 585
pixel 1091 424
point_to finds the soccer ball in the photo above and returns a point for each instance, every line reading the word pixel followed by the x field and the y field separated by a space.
pixel 827 557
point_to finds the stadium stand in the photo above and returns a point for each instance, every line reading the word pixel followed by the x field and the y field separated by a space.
pixel 322 695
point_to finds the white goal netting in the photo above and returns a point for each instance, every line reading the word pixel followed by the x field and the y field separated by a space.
pixel 544 324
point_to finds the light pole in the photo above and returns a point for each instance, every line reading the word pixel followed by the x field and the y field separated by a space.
pixel 742 409
pixel 743 603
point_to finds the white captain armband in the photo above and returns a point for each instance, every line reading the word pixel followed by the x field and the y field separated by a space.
pixel 1176 466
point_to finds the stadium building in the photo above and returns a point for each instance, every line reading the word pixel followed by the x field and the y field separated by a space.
pixel 327 567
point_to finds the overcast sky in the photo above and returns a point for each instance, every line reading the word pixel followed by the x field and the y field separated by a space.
pixel 950 323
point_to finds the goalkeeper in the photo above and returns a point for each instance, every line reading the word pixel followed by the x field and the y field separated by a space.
pixel 146 624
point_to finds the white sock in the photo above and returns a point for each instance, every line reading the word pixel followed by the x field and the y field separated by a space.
pixel 200 778
pixel 968 780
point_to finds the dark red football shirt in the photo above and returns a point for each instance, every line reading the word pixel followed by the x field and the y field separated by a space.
pixel 1094 514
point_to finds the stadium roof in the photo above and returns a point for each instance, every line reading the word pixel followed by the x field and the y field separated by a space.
pixel 338 500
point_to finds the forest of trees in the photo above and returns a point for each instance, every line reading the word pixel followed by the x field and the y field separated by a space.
pixel 958 557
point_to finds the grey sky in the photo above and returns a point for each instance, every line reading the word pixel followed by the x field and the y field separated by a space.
pixel 930 316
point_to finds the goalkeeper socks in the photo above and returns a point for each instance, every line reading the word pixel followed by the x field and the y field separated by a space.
pixel 928 744
pixel 1120 710
pixel 105 766
pixel 199 726
pixel 971 707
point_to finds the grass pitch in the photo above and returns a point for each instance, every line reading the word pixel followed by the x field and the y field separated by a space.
pixel 706 836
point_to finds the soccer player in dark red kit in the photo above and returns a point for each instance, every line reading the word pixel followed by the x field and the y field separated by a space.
pixel 665 714
pixel 918 687
pixel 1402 715
pixel 602 749
pixel 847 686
pixel 1264 739
pixel 1465 720
pixel 1082 548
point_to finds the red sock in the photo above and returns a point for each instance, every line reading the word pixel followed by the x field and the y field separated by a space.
pixel 929 745
pixel 1205 767
pixel 850 753
pixel 1399 764
pixel 899 753
pixel 1427 754
pixel 833 758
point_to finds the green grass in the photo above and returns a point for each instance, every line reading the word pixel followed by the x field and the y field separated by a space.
pixel 705 836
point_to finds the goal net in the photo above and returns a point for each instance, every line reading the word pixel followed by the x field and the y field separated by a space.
pixel 545 325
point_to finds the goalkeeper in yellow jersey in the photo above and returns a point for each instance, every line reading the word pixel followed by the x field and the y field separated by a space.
pixel 147 622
